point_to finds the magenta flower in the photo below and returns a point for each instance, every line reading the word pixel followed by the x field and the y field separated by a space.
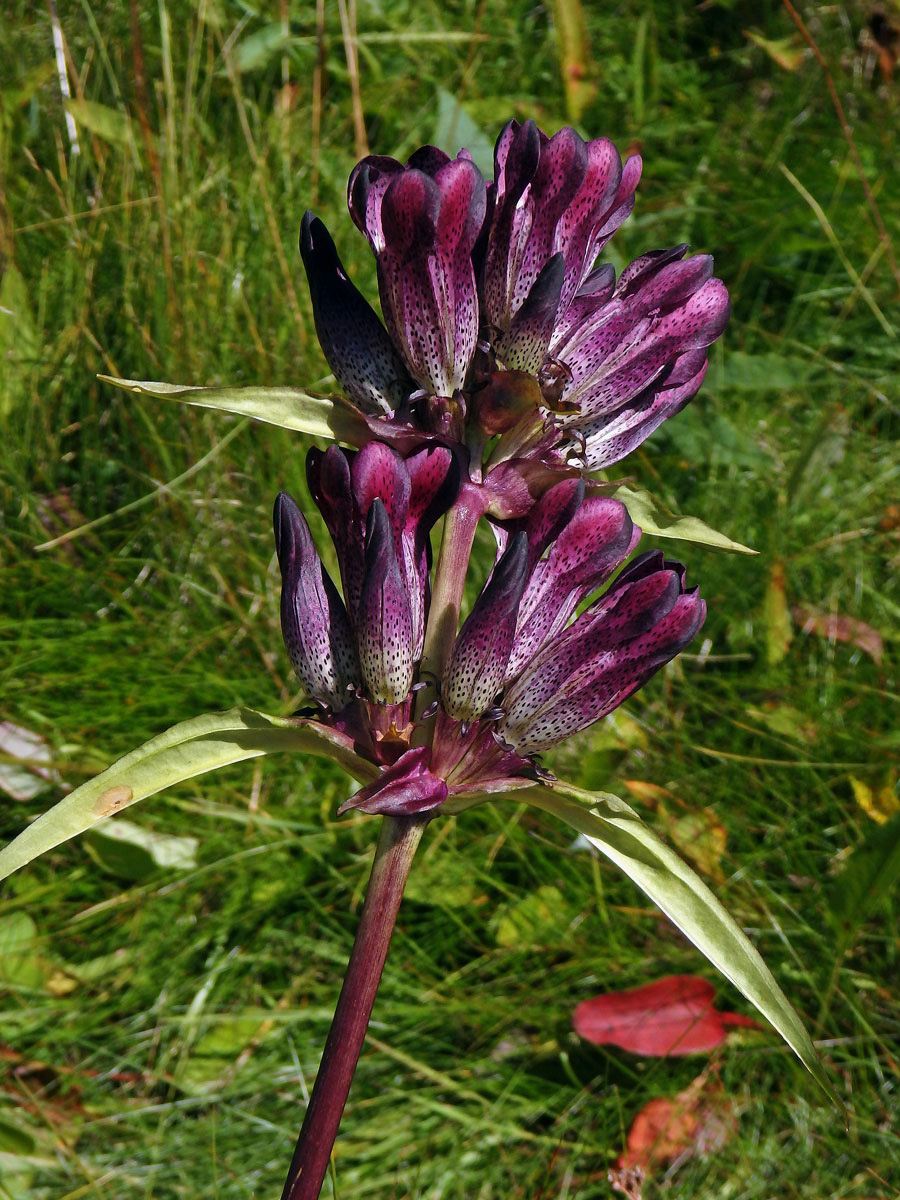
pixel 379 509
pixel 498 320
pixel 422 222
pixel 523 674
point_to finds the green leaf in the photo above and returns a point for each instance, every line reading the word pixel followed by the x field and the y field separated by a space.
pixel 182 752
pixel 110 124
pixel 536 920
pixel 19 962
pixel 653 517
pixel 261 47
pixel 868 875
pixel 291 408
pixel 454 128
pixel 619 833
pixel 132 852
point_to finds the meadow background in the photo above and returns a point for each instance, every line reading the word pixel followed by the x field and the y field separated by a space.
pixel 159 1025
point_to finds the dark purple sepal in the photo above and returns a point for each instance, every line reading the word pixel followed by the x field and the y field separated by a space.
pixel 313 618
pixel 405 789
pixel 478 663
pixel 384 620
pixel 355 343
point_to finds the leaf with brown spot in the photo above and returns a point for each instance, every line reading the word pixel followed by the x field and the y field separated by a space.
pixel 183 752
pixel 838 628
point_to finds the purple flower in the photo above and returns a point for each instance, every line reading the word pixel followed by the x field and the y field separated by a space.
pixel 525 671
pixel 359 351
pixel 379 509
pixel 422 222
pixel 555 203
pixel 524 675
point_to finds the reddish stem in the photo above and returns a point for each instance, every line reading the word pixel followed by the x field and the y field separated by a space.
pixel 393 857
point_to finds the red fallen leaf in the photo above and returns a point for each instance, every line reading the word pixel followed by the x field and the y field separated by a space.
pixel 697 1121
pixel 670 1017
pixel 841 629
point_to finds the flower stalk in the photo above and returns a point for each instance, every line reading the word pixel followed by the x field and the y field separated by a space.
pixel 458 535
pixel 397 844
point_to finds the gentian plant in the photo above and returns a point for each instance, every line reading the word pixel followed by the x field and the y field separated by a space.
pixel 509 370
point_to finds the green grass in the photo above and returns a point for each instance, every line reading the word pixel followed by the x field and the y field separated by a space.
pixel 160 1035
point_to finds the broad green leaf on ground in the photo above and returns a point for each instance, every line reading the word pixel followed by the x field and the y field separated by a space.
pixel 110 124
pixel 132 852
pixel 291 408
pixel 186 750
pixel 868 875
pixel 20 963
pixel 618 832
pixel 453 128
pixel 654 518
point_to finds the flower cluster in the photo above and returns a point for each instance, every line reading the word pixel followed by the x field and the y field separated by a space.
pixel 524 672
pixel 497 321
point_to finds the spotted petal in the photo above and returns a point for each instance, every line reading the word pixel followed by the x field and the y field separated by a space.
pixel 313 618
pixel 384 621
pixel 478 664
pixel 594 543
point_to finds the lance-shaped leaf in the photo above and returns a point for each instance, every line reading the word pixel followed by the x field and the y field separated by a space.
pixel 186 750
pixel 618 832
pixel 291 408
pixel 654 518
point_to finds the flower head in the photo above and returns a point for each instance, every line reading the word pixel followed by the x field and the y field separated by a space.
pixel 499 323
pixel 527 669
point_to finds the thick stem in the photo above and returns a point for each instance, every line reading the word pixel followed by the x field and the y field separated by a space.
pixel 393 857
pixel 450 577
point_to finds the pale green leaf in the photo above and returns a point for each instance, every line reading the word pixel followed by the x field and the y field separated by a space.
pixel 191 748
pixel 133 852
pixel 454 128
pixel 291 408
pixel 536 920
pixel 618 832
pixel 654 518
pixel 110 124
pixel 19 341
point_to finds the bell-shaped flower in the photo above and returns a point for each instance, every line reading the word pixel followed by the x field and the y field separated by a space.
pixel 481 652
pixel 313 618
pixel 526 671
pixel 608 652
pixel 422 222
pixel 555 202
pixel 635 353
pixel 357 657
